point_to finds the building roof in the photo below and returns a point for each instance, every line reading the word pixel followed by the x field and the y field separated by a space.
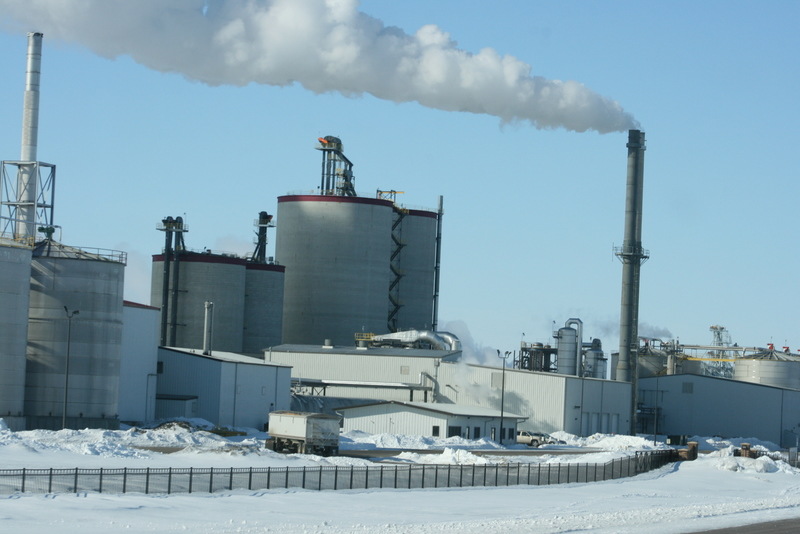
pixel 445 355
pixel 228 357
pixel 447 409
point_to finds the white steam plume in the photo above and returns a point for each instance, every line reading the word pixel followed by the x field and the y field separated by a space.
pixel 324 45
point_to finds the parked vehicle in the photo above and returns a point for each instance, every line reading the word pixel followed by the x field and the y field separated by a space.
pixel 534 439
pixel 303 432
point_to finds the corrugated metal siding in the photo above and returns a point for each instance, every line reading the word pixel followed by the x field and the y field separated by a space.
pixel 392 419
pixel 189 375
pixel 138 356
pixel 538 396
pixel 593 406
pixel 361 367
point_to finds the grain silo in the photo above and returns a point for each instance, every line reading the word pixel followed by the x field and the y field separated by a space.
pixel 197 278
pixel 263 306
pixel 74 336
pixel 336 250
pixel 770 368
pixel 15 272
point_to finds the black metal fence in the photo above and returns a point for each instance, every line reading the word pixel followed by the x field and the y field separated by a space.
pixel 190 480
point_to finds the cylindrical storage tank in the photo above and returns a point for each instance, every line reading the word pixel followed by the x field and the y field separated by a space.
pixel 567 349
pixel 783 373
pixel 15 274
pixel 263 306
pixel 651 365
pixel 336 251
pixel 89 286
pixel 595 363
pixel 417 263
pixel 203 277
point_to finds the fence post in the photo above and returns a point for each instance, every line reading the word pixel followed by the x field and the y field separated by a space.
pixel 423 476
pixel 351 477
pixel 211 481
pixel 335 477
pixel 147 481
pixel 269 475
pixel 381 478
pixel 395 477
pixel 100 489
pixel 191 477
pixel 230 480
pixel 286 481
pixel 303 484
pixel 169 481
pixel 125 480
pixel 76 480
pixel 319 482
pixel 250 480
pixel 366 477
pixel 23 480
pixel 50 482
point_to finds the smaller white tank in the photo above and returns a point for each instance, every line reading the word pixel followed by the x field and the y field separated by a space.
pixel 567 349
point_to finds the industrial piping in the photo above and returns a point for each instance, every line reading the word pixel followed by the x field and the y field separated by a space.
pixel 632 256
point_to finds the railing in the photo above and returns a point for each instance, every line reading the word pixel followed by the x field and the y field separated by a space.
pixel 192 480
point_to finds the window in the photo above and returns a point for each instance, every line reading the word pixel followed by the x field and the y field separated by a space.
pixel 453 431
pixel 435 431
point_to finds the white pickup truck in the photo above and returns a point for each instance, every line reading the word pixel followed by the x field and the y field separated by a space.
pixel 534 439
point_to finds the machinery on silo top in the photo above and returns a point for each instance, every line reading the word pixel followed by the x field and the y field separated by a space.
pixel 303 432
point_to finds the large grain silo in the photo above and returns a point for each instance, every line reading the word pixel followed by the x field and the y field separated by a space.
pixel 414 270
pixel 74 337
pixel 770 369
pixel 336 250
pixel 263 306
pixel 202 277
pixel 15 272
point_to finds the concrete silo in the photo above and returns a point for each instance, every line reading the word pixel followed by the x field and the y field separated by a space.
pixel 336 250
pixel 263 306
pixel 197 278
pixel 15 272
pixel 414 270
pixel 74 337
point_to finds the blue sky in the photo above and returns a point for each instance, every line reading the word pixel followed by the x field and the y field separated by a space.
pixel 531 215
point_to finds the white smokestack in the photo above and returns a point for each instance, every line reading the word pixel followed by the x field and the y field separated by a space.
pixel 324 45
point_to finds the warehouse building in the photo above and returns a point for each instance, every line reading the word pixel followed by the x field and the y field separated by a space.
pixel 548 401
pixel 224 388
pixel 430 420
pixel 694 405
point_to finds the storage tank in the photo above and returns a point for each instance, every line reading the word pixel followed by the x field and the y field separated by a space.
pixel 416 261
pixel 567 349
pixel 263 306
pixel 781 371
pixel 203 277
pixel 336 251
pixel 15 273
pixel 88 284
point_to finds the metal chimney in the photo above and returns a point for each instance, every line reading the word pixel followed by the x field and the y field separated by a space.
pixel 26 177
pixel 632 256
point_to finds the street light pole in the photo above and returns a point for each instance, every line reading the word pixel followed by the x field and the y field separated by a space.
pixel 66 367
pixel 502 392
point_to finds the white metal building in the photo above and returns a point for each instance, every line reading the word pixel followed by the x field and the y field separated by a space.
pixel 230 389
pixel 429 420
pixel 138 357
pixel 549 401
pixel 694 405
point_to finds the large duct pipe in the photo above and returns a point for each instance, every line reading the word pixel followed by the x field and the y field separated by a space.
pixel 208 328
pixel 632 256
pixel 26 179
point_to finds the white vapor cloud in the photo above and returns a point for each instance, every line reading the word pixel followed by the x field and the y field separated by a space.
pixel 323 45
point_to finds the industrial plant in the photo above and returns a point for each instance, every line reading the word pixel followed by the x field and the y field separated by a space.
pixel 342 319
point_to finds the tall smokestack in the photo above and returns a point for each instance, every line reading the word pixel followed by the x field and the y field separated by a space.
pixel 632 256
pixel 26 178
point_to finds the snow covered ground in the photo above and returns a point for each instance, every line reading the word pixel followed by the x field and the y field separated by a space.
pixel 717 490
